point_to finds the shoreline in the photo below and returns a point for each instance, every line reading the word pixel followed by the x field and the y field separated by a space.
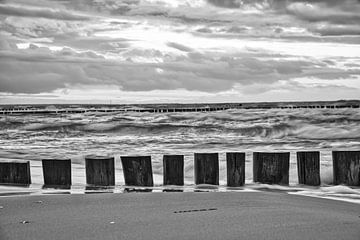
pixel 339 193
pixel 220 215
pixel 329 191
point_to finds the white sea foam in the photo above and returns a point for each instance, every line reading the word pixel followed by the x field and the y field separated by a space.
pixel 341 193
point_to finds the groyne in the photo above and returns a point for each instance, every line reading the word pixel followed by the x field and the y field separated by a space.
pixel 168 108
pixel 268 168
pixel 109 110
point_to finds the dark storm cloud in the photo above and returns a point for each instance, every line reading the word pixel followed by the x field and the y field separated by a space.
pixel 195 71
pixel 344 12
pixel 226 3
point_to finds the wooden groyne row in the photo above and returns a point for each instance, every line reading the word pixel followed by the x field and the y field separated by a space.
pixel 10 111
pixel 268 167
pixel 317 106
pixel 150 110
pixel 300 107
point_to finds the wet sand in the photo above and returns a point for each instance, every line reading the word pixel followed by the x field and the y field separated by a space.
pixel 220 215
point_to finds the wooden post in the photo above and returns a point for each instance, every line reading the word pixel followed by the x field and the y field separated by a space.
pixel 271 168
pixel 173 169
pixel 235 163
pixel 206 166
pixel 137 170
pixel 308 165
pixel 100 170
pixel 15 172
pixel 346 167
pixel 57 173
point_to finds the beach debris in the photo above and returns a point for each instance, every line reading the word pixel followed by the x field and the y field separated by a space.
pixel 112 222
pixel 39 202
pixel 1 207
pixel 25 222
pixel 196 210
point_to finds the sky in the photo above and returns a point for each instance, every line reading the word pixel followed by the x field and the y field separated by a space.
pixel 178 51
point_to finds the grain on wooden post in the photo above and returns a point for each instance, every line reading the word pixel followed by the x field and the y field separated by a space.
pixel 173 169
pixel 206 166
pixel 235 164
pixel 137 170
pixel 346 167
pixel 57 173
pixel 271 168
pixel 100 170
pixel 308 165
pixel 15 172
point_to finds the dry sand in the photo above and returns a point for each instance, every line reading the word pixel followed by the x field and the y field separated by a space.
pixel 228 215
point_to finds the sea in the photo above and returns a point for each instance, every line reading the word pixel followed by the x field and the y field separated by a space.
pixel 74 135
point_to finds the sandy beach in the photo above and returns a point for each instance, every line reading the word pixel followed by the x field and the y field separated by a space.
pixel 221 215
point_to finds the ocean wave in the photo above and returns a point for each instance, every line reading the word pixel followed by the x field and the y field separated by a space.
pixel 67 126
pixel 224 128
pixel 270 126
pixel 131 128
pixel 326 132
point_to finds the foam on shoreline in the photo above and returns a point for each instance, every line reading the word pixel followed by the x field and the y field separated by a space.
pixel 326 190
pixel 339 193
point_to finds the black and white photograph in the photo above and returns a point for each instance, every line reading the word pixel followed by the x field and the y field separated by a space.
pixel 179 119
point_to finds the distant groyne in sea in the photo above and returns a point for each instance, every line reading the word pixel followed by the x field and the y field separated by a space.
pixel 168 108
pixel 83 110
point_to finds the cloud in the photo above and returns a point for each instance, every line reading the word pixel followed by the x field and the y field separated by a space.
pixel 6 45
pixel 206 72
pixel 247 4
pixel 32 28
pixel 212 46
pixel 22 11
pixel 226 3
pixel 179 47
pixel 345 12
pixel 337 30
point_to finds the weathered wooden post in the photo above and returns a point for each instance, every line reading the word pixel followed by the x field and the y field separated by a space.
pixel 173 169
pixel 235 164
pixel 206 166
pixel 308 165
pixel 346 167
pixel 15 172
pixel 137 170
pixel 271 168
pixel 100 170
pixel 57 173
